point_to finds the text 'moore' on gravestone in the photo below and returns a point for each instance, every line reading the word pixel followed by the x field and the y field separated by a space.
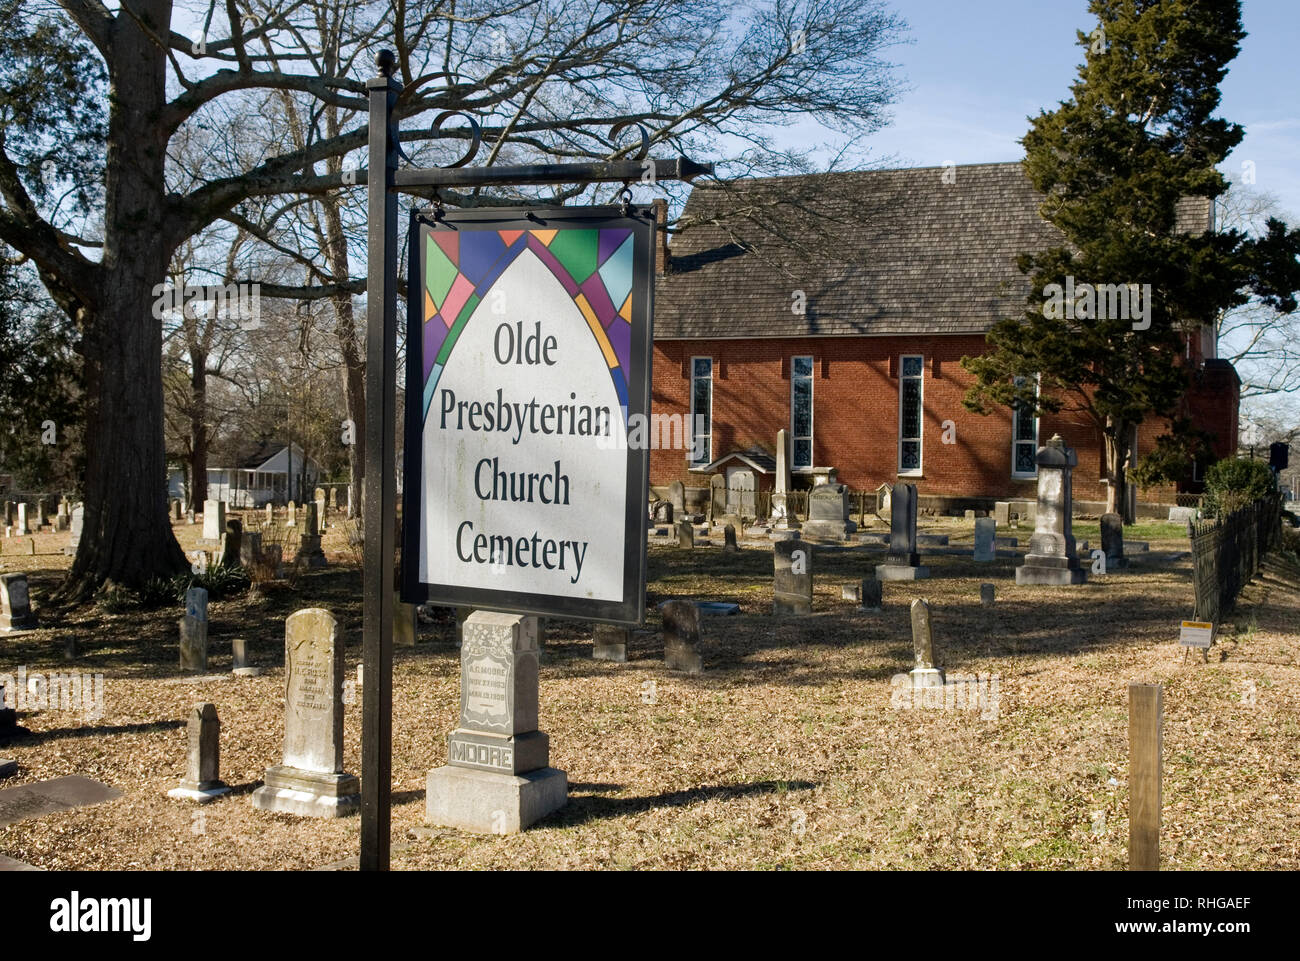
pixel 531 338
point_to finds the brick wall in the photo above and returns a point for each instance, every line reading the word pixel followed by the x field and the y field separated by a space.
pixel 855 413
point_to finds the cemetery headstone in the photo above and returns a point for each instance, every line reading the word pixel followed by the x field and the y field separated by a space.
pixel 717 497
pixel 851 592
pixel 1002 513
pixel 609 643
pixel 23 528
pixel 828 513
pixel 214 523
pixel 57 794
pixel 178 509
pixel 729 545
pixel 291 515
pixel 685 534
pixel 985 531
pixel 792 586
pixel 40 513
pixel 9 513
pixel 309 549
pixel 925 671
pixel 1181 515
pixel 1112 541
pixel 872 594
pixel 781 518
pixel 78 520
pixel 310 781
pixel 662 512
pixel 741 490
pixel 987 595
pixel 202 781
pixel 15 604
pixel 9 727
pixel 239 665
pixel 194 631
pixel 232 544
pixel 250 547
pixel 405 628
pixel 498 778
pixel 682 636
pixel 332 499
pixel 677 496
pixel 1053 558
pixel 270 515
pixel 903 563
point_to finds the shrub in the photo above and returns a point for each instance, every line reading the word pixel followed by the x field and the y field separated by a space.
pixel 1232 484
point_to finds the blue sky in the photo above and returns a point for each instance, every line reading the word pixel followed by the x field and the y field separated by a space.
pixel 977 70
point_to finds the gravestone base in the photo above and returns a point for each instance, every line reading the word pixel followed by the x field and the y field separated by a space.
pixel 291 790
pixel 797 604
pixel 609 643
pixel 901 572
pixel 309 550
pixel 488 802
pixel 926 677
pixel 684 657
pixel 13 625
pixel 188 791
pixel 829 530
pixel 8 767
pixel 515 754
pixel 1050 571
pixel 246 671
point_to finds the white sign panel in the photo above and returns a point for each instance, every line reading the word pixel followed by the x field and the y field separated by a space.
pixel 528 352
pixel 1196 634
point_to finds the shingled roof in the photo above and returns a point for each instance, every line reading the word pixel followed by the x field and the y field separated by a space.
pixel 874 252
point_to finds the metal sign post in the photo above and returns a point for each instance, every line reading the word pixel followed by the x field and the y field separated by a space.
pixel 384 181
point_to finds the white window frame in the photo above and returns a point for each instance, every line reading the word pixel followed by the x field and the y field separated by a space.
pixel 795 436
pixel 690 433
pixel 920 421
pixel 1015 413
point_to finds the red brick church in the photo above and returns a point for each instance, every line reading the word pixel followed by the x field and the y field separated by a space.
pixel 839 306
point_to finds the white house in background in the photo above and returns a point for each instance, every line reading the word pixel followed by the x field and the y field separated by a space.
pixel 270 472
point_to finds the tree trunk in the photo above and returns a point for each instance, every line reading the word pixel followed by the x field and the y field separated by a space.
pixel 198 428
pixel 1117 443
pixel 127 538
pixel 354 366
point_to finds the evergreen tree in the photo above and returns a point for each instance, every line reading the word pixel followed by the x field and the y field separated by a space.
pixel 1137 135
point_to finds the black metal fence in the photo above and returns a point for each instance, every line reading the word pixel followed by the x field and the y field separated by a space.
pixel 1226 553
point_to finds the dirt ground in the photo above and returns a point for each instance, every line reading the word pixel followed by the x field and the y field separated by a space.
pixel 791 751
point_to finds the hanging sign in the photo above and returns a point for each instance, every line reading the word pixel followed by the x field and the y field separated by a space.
pixel 528 354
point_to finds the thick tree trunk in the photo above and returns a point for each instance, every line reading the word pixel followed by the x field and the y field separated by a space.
pixel 198 428
pixel 354 366
pixel 1117 439
pixel 127 538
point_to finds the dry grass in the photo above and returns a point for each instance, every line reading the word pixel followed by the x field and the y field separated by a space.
pixel 786 753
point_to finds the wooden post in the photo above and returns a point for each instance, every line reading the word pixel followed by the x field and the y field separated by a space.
pixel 1145 737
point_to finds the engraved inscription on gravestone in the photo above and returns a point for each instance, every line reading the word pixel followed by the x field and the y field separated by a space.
pixel 309 739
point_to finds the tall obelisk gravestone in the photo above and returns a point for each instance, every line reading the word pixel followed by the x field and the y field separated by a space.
pixel 498 778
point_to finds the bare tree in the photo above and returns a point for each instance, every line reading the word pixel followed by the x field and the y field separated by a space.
pixel 547 77
pixel 1262 342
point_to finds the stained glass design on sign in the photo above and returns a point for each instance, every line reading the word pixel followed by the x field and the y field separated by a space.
pixel 593 265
